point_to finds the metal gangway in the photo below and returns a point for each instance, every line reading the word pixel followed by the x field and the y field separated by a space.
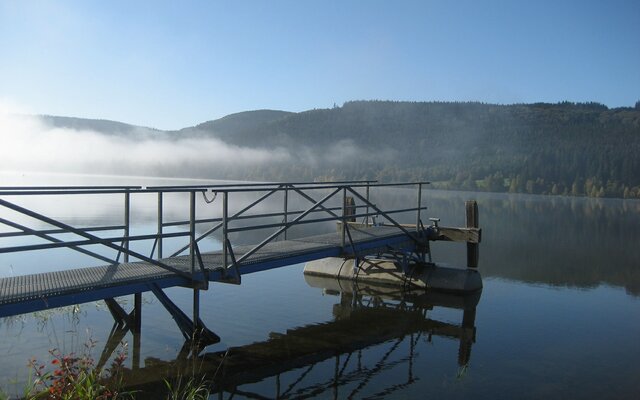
pixel 370 330
pixel 126 271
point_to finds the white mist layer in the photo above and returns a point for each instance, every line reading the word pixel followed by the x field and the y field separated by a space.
pixel 29 144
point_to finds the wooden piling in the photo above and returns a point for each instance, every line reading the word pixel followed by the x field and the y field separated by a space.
pixel 471 208
pixel 349 209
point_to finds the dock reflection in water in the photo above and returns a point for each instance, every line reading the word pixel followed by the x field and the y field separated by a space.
pixel 376 332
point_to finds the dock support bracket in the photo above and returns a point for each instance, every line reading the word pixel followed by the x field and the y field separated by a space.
pixel 234 277
pixel 356 257
pixel 471 213
pixel 423 249
pixel 194 331
pixel 120 316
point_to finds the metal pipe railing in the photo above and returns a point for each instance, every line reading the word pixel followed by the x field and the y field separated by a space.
pixel 127 224
pixel 93 238
pixel 160 223
pixel 22 188
pixel 316 220
pixel 192 231
pixel 279 231
pixel 251 216
pixel 85 242
pixel 225 217
pixel 251 187
pixel 304 190
pixel 56 191
pixel 255 184
pixel 58 231
pixel 225 229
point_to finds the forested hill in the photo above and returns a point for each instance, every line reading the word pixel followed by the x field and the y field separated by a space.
pixel 564 148
pixel 248 123
pixel 103 126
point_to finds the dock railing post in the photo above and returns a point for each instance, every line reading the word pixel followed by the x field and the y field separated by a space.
pixel 225 223
pixel 160 228
pixel 366 220
pixel 137 297
pixel 286 207
pixel 192 256
pixel 419 207
pixel 471 208
pixel 127 223
pixel 343 231
pixel 192 230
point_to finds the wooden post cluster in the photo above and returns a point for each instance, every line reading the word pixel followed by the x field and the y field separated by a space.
pixel 471 212
pixel 349 209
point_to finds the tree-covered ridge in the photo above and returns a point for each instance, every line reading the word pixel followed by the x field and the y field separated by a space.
pixel 565 148
pixel 103 126
pixel 580 149
pixel 246 122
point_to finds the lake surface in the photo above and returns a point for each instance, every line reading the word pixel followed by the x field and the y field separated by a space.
pixel 559 315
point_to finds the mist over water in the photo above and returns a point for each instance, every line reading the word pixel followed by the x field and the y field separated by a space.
pixel 32 143
pixel 29 143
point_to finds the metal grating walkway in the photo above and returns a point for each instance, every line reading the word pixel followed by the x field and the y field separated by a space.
pixel 34 292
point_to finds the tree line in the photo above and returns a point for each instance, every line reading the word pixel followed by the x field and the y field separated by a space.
pixel 577 149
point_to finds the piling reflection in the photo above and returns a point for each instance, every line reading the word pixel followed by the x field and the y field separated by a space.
pixel 375 332
pixel 560 241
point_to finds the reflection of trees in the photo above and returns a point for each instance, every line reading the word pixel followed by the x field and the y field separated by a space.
pixel 552 240
pixel 566 148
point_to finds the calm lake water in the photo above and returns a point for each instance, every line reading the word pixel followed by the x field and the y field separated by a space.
pixel 559 315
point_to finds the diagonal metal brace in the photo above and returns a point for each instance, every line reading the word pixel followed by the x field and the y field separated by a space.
pixel 234 278
pixel 56 240
pixel 356 258
pixel 87 235
pixel 379 211
pixel 260 245
pixel 219 225
pixel 200 262
pixel 312 200
pixel 353 246
pixel 115 339
pixel 189 329
pixel 120 316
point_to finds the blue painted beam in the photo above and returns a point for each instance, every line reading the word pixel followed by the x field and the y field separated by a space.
pixel 84 296
pixel 313 255
pixel 45 303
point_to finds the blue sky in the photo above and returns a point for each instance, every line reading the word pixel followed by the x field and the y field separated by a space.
pixel 176 64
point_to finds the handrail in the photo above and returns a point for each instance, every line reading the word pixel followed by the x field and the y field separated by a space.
pixel 229 188
pixel 254 184
pixel 85 242
pixel 97 187
pixel 303 191
pixel 40 192
pixel 96 240
pixel 245 217
pixel 316 220
pixel 56 231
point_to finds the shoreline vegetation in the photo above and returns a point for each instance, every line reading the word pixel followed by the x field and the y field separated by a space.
pixel 571 149
pixel 77 377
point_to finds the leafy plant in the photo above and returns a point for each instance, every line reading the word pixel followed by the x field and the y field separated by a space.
pixel 76 378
